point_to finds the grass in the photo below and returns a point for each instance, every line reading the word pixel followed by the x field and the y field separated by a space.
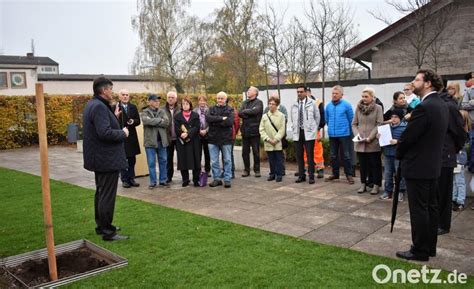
pixel 171 248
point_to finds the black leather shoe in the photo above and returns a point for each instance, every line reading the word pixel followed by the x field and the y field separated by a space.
pixel 311 181
pixel 300 180
pixel 279 179
pixel 245 174
pixel 408 255
pixel 126 185
pixel 271 178
pixel 185 183
pixel 442 231
pixel 134 184
pixel 116 237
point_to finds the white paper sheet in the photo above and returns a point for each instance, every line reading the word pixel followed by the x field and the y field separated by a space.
pixel 385 135
pixel 358 138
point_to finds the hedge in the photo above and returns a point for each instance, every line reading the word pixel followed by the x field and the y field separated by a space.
pixel 19 127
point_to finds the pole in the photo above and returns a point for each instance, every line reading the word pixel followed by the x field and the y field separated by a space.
pixel 47 216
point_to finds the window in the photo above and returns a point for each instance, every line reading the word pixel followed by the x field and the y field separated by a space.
pixel 18 79
pixel 3 80
pixel 47 69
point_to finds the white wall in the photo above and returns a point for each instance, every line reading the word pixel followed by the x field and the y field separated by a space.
pixel 351 93
pixel 85 87
pixel 31 78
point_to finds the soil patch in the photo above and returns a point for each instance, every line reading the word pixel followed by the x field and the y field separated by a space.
pixel 74 262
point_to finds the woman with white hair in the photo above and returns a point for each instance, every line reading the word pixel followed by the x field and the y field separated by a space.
pixel 367 117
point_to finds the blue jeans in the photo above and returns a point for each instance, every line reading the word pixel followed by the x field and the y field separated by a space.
pixel 151 154
pixel 471 158
pixel 275 158
pixel 214 151
pixel 459 188
pixel 390 171
pixel 335 143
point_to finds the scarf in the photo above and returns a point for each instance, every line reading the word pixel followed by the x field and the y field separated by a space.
pixel 366 109
pixel 187 115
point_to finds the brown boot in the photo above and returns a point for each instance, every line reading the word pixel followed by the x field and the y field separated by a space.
pixel 350 180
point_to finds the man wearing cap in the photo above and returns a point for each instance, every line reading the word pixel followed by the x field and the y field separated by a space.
pixel 155 130
pixel 127 114
pixel 104 155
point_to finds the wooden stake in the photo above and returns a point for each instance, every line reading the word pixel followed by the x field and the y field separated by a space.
pixel 47 214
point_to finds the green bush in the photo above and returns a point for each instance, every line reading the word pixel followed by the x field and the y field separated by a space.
pixel 19 126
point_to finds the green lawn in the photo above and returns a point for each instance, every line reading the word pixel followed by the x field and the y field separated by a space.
pixel 171 248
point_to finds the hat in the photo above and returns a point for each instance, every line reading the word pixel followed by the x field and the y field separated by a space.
pixel 398 112
pixel 153 97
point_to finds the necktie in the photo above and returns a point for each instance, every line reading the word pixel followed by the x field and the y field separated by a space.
pixel 125 108
pixel 300 115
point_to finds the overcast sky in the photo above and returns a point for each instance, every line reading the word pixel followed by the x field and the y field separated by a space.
pixel 95 37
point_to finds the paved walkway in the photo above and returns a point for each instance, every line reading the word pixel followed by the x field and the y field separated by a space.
pixel 330 213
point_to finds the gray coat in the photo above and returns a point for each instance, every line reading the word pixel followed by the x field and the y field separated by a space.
pixel 366 126
pixel 311 119
pixel 155 121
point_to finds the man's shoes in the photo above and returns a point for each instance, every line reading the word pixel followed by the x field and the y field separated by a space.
pixel 169 181
pixel 320 174
pixel 331 178
pixel 152 186
pixel 126 185
pixel 134 184
pixel 99 232
pixel 284 173
pixel 257 174
pixel 271 178
pixel 442 231
pixel 196 184
pixel 245 174
pixel 408 255
pixel 185 183
pixel 362 189
pixel 227 185
pixel 215 184
pixel 300 180
pixel 164 185
pixel 311 181
pixel 279 179
pixel 116 237
pixel 350 180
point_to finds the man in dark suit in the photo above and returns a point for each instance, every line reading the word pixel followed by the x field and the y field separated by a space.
pixel 127 115
pixel 420 149
pixel 104 155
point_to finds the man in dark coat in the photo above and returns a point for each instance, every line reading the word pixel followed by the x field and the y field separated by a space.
pixel 420 148
pixel 221 119
pixel 453 142
pixel 127 114
pixel 104 154
pixel 171 109
pixel 251 113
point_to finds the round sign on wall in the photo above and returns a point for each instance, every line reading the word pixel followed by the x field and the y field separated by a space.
pixel 18 79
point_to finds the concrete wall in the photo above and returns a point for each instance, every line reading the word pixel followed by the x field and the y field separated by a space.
pixel 457 49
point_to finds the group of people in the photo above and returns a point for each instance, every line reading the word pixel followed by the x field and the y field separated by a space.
pixel 428 138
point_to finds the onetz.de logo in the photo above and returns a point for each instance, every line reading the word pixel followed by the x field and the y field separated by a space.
pixel 382 274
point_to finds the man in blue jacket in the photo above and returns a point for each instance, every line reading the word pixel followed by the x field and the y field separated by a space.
pixel 339 116
pixel 104 154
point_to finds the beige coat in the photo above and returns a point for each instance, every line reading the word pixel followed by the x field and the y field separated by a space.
pixel 366 126
pixel 267 131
